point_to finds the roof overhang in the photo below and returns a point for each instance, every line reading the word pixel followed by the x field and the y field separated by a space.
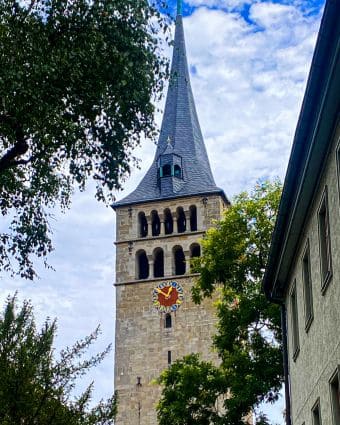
pixel 220 192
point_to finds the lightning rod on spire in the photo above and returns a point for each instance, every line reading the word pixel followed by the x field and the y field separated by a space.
pixel 179 7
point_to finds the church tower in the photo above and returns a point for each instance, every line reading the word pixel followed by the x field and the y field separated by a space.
pixel 159 227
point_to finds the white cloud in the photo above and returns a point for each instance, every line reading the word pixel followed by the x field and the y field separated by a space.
pixel 237 5
pixel 248 86
pixel 221 4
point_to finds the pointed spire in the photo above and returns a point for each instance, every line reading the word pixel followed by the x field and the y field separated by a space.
pixel 179 7
pixel 185 155
pixel 180 121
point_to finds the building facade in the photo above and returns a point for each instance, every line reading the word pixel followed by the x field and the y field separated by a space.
pixel 159 227
pixel 303 272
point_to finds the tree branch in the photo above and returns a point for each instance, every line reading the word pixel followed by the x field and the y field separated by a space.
pixel 9 159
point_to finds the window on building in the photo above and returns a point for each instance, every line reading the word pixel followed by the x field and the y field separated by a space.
pixel 181 220
pixel 177 171
pixel 316 413
pixel 179 260
pixel 142 265
pixel 324 242
pixel 158 263
pixel 335 397
pixel 168 321
pixel 294 321
pixel 193 218
pixel 168 222
pixel 169 357
pixel 195 250
pixel 307 287
pixel 166 170
pixel 155 223
pixel 143 225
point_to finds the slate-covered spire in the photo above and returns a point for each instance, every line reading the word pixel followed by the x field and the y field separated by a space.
pixel 181 166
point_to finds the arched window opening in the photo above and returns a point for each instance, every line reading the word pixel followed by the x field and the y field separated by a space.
pixel 168 222
pixel 155 223
pixel 158 263
pixel 177 171
pixel 168 321
pixel 143 225
pixel 181 220
pixel 195 250
pixel 166 170
pixel 193 218
pixel 142 269
pixel 179 260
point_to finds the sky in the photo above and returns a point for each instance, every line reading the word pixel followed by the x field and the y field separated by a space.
pixel 249 62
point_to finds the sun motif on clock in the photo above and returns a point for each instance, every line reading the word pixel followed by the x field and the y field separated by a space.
pixel 167 296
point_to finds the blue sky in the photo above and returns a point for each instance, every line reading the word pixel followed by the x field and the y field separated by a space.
pixel 249 62
pixel 240 6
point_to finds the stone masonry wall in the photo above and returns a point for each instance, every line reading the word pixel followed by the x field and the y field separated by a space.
pixel 142 341
pixel 319 344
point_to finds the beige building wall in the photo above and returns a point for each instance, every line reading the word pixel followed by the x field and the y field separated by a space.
pixel 142 341
pixel 319 345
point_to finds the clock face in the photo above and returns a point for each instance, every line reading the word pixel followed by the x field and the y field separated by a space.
pixel 167 297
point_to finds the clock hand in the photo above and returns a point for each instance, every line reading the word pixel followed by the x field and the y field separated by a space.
pixel 169 292
pixel 161 292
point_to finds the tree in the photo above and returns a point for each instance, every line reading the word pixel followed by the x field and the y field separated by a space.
pixel 248 339
pixel 77 80
pixel 34 387
pixel 191 391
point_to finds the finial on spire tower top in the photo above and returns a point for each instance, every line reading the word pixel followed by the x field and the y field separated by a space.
pixel 179 7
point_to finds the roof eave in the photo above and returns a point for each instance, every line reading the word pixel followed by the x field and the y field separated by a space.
pixel 218 191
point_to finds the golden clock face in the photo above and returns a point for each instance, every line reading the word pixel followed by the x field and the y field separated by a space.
pixel 167 296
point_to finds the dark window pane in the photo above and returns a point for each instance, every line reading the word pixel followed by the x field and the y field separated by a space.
pixel 294 321
pixel 155 224
pixel 168 321
pixel 143 225
pixel 193 218
pixel 179 261
pixel 335 398
pixel 316 414
pixel 158 263
pixel 168 222
pixel 181 221
pixel 195 251
pixel 324 241
pixel 177 171
pixel 166 170
pixel 307 286
pixel 142 265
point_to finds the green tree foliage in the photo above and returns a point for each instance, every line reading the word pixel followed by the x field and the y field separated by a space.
pixel 191 388
pixel 77 80
pixel 248 339
pixel 34 387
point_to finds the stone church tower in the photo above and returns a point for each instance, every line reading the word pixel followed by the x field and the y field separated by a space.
pixel 159 227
